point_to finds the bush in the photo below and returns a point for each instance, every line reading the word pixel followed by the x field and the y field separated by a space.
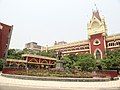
pixel 54 73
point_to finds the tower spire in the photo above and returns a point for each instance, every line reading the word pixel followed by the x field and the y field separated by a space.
pixel 95 6
pixel 96 11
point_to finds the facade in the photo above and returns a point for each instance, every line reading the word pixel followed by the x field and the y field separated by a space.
pixel 34 46
pixel 5 36
pixel 98 40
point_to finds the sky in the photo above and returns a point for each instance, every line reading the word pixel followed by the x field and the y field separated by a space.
pixel 47 21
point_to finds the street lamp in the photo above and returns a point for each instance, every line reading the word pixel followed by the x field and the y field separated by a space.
pixel 59 55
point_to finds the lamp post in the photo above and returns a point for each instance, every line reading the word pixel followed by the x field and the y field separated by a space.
pixel 27 64
pixel 59 55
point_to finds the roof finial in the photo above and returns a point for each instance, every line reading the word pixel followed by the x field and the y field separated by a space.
pixel 95 6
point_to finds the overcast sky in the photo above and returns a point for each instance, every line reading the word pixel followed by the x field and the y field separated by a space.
pixel 46 21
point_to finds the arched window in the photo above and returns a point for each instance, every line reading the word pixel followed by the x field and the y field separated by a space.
pixel 117 43
pixel 113 44
pixel 98 54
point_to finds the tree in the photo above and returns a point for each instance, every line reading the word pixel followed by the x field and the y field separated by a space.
pixel 1 64
pixel 112 59
pixel 14 54
pixel 29 51
pixel 83 62
pixel 86 62
pixel 68 61
pixel 17 54
pixel 49 53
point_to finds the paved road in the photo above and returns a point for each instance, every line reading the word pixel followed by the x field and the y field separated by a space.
pixel 19 84
pixel 15 87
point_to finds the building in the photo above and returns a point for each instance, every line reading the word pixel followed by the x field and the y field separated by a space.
pixel 60 43
pixel 34 46
pixel 32 61
pixel 97 43
pixel 5 36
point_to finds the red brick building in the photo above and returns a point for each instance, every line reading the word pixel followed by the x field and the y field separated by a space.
pixel 97 43
pixel 5 35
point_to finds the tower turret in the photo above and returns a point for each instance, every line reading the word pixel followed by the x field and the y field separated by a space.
pixel 96 25
pixel 97 33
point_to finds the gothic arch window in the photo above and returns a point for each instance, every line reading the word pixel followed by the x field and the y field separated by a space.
pixel 98 54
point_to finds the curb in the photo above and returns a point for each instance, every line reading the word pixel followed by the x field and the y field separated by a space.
pixel 59 79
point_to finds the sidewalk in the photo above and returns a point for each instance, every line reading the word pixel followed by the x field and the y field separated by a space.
pixel 58 85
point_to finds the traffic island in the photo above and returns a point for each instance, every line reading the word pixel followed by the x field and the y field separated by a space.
pixel 25 77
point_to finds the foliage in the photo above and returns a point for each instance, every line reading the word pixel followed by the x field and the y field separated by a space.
pixel 28 51
pixel 17 54
pixel 53 73
pixel 1 64
pixel 84 62
pixel 112 59
pixel 49 53
pixel 14 54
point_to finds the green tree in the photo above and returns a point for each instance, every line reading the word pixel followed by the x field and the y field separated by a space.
pixel 29 51
pixel 17 54
pixel 68 61
pixel 1 64
pixel 86 62
pixel 83 62
pixel 14 54
pixel 49 53
pixel 112 59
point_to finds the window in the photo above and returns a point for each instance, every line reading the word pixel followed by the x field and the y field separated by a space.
pixel 96 42
pixel 98 54
pixel 117 43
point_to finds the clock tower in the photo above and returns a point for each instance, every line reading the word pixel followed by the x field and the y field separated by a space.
pixel 97 33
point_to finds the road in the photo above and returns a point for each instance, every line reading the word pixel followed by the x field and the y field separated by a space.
pixel 19 84
pixel 6 87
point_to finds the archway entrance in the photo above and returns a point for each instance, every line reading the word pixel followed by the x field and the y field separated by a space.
pixel 98 54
